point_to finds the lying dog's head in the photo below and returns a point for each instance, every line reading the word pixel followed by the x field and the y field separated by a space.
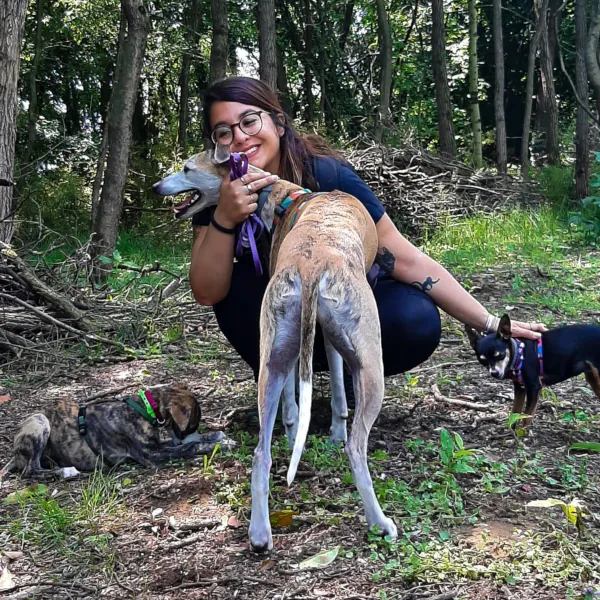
pixel 179 407
pixel 494 350
pixel 201 178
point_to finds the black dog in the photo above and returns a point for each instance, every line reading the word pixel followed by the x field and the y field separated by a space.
pixel 560 354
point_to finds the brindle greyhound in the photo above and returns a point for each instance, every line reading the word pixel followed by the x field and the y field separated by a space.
pixel 322 248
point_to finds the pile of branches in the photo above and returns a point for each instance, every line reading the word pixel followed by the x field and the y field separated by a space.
pixel 53 317
pixel 420 190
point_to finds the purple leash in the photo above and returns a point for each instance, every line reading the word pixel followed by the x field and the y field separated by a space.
pixel 252 227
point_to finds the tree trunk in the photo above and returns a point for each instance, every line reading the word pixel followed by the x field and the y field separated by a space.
pixel 308 60
pixel 582 149
pixel 474 87
pixel 184 77
pixel 102 153
pixel 385 60
pixel 32 111
pixel 533 45
pixel 591 53
pixel 218 51
pixel 12 18
pixel 122 106
pixel 267 49
pixel 282 84
pixel 501 153
pixel 440 77
pixel 550 105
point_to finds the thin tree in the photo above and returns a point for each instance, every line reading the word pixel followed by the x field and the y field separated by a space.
pixel 548 91
pixel 220 35
pixel 501 153
pixel 582 144
pixel 533 46
pixel 191 37
pixel 591 53
pixel 12 18
pixel 474 87
pixel 385 58
pixel 440 77
pixel 32 110
pixel 120 117
pixel 267 49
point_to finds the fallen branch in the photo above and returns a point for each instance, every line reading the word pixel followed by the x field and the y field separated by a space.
pixel 200 524
pixel 441 398
pixel 43 290
pixel 47 317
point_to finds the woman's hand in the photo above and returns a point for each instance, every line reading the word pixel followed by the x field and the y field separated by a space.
pixel 530 331
pixel 239 198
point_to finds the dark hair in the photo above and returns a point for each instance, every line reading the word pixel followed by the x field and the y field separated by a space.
pixel 296 150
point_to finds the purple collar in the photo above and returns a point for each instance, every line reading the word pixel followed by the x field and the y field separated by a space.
pixel 248 231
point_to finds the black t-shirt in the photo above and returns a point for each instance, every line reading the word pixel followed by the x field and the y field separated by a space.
pixel 330 174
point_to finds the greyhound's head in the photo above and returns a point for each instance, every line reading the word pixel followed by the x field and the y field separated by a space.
pixel 200 179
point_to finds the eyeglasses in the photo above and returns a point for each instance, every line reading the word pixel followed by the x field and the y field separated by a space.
pixel 250 124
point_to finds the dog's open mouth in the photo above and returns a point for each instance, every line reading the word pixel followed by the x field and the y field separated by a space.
pixel 185 210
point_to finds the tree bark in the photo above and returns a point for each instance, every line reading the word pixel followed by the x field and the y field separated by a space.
pixel 120 117
pixel 103 151
pixel 282 84
pixel 218 51
pixel 32 111
pixel 267 49
pixel 308 59
pixel 591 51
pixel 385 58
pixel 550 105
pixel 582 144
pixel 533 45
pixel 440 77
pixel 501 153
pixel 474 87
pixel 12 19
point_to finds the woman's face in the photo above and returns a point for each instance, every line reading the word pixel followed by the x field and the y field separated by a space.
pixel 263 149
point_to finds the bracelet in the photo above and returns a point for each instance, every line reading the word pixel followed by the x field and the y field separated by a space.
pixel 492 323
pixel 220 227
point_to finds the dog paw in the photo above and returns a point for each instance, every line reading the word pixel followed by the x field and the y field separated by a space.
pixel 261 541
pixel 386 527
pixel 338 434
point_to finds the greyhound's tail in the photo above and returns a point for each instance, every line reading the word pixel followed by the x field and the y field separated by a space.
pixel 308 322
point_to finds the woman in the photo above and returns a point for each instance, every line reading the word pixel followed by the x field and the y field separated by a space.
pixel 245 114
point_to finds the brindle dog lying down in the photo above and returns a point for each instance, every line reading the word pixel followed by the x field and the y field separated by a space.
pixel 115 430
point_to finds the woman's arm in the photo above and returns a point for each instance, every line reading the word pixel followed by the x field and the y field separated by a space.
pixel 408 264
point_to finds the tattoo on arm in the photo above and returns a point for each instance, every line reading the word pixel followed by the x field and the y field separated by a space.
pixel 386 260
pixel 426 286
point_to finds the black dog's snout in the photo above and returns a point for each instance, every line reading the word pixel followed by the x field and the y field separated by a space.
pixel 155 187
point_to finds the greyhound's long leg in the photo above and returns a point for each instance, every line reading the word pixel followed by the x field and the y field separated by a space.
pixel 368 391
pixel 290 407
pixel 280 340
pixel 339 408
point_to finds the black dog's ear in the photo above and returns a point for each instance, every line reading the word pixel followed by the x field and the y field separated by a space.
pixel 473 336
pixel 504 329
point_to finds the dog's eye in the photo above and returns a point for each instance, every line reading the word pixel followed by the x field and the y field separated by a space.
pixel 496 353
pixel 482 357
pixel 186 169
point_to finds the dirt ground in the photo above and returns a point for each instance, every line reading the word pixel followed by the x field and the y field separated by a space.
pixel 150 554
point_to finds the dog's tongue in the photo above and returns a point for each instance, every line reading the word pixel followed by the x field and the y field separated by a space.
pixel 185 203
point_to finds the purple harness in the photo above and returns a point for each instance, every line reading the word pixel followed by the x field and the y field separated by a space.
pixel 516 368
pixel 252 227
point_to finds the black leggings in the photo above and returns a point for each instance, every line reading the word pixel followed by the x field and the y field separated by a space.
pixel 410 321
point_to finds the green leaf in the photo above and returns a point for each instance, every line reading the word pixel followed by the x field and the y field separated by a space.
pixel 459 442
pixel 447 443
pixel 117 256
pixel 320 560
pixel 514 417
pixel 129 265
pixel 105 259
pixel 589 446
pixel 463 467
pixel 37 489
pixel 462 453
pixel 444 535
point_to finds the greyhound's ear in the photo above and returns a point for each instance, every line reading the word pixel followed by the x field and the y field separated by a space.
pixel 221 154
pixel 473 336
pixel 504 329
pixel 181 415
